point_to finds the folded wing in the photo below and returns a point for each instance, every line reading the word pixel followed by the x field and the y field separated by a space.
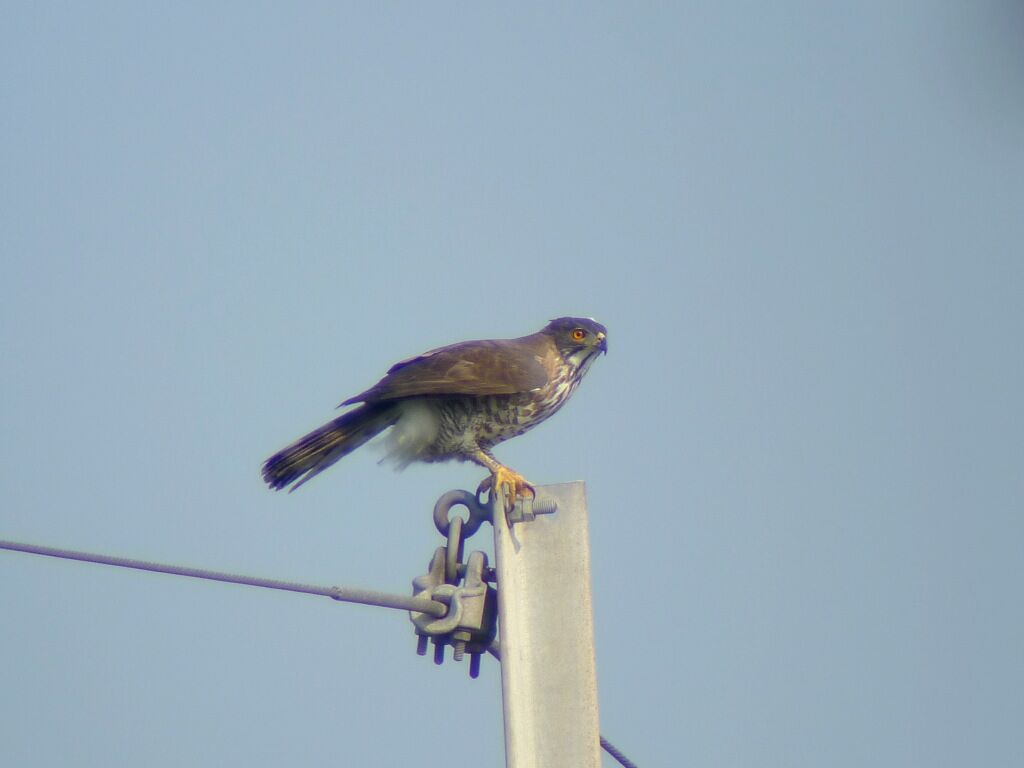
pixel 502 367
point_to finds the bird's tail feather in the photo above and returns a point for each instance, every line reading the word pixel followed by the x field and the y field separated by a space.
pixel 308 456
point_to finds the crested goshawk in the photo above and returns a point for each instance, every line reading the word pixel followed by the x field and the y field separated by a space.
pixel 456 402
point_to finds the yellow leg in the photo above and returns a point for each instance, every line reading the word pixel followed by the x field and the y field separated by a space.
pixel 502 478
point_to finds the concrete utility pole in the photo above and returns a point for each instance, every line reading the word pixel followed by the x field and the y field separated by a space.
pixel 548 672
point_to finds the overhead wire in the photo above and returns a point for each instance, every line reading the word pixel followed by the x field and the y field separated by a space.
pixel 344 594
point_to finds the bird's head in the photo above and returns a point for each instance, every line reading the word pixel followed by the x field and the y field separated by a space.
pixel 578 339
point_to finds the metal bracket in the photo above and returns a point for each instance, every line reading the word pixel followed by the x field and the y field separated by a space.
pixel 526 509
pixel 470 622
pixel 478 513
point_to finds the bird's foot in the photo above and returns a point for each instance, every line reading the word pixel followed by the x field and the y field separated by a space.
pixel 510 483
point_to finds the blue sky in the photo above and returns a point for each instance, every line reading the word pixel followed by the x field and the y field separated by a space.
pixel 802 225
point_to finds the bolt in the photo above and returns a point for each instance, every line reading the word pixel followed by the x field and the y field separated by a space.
pixel 421 645
pixel 459 640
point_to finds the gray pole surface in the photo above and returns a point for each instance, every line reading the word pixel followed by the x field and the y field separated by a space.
pixel 548 672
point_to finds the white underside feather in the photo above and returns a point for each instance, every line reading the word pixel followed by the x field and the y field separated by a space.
pixel 415 430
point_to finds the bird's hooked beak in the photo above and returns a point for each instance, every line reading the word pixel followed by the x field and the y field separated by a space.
pixel 602 342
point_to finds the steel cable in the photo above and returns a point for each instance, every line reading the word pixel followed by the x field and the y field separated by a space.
pixel 344 594
pixel 612 750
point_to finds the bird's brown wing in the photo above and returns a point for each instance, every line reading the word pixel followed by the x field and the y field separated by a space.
pixel 501 367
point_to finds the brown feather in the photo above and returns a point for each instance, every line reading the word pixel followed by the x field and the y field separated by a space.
pixel 501 367
pixel 311 454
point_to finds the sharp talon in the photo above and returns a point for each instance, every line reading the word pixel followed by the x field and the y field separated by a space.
pixel 485 485
pixel 511 483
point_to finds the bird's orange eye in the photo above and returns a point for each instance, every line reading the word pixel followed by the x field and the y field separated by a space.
pixel 578 334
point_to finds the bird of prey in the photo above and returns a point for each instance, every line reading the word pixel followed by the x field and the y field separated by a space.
pixel 455 402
